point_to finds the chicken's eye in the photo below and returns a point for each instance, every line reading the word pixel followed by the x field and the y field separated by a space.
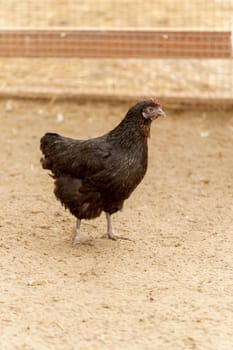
pixel 150 109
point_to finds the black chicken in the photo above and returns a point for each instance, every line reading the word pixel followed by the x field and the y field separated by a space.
pixel 99 174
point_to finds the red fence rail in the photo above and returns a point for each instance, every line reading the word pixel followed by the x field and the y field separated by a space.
pixel 115 43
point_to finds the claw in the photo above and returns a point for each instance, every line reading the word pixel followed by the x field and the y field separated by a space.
pixel 83 241
pixel 115 237
pixel 110 233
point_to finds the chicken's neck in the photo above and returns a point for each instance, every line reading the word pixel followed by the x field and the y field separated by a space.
pixel 131 131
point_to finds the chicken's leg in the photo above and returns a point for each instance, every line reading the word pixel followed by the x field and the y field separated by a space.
pixel 77 239
pixel 110 234
pixel 77 232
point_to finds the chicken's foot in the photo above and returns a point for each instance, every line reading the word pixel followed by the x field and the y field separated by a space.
pixel 77 239
pixel 110 234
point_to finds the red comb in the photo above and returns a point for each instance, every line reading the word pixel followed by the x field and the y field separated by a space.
pixel 156 102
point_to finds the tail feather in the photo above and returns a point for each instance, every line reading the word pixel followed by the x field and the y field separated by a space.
pixel 47 143
pixel 60 154
pixel 47 140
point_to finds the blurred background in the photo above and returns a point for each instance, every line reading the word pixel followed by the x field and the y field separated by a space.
pixel 200 68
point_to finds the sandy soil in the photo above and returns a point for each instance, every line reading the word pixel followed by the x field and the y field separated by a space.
pixel 169 289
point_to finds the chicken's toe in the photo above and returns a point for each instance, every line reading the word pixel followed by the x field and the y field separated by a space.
pixel 82 241
pixel 115 237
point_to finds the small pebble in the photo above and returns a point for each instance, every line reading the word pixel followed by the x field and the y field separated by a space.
pixel 9 105
pixel 204 134
pixel 60 117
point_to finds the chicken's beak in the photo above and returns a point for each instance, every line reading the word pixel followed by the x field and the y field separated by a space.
pixel 160 112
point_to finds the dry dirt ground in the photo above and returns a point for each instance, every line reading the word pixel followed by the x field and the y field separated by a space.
pixel 171 288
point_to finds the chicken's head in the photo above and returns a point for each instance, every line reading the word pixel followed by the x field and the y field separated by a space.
pixel 152 109
pixel 141 115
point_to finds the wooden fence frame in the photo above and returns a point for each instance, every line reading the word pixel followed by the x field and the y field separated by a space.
pixel 115 43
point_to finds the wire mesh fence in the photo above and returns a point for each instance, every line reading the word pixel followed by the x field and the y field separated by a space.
pixel 165 48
